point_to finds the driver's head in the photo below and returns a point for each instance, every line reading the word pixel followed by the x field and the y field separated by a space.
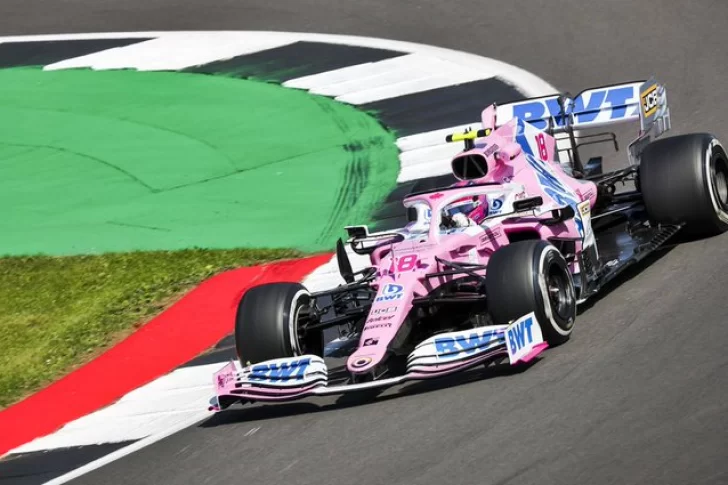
pixel 474 208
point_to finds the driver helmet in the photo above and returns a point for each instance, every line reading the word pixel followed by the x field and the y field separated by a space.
pixel 467 209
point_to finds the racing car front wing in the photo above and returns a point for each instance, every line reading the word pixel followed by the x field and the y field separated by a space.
pixel 446 353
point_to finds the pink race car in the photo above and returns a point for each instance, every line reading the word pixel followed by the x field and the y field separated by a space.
pixel 491 269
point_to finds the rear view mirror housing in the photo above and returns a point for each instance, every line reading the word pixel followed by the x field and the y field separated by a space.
pixel 527 204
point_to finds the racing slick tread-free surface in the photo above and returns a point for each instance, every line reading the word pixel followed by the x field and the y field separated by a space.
pixel 262 330
pixel 675 182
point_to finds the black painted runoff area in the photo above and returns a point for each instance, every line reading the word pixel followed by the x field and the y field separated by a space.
pixel 441 107
pixel 40 53
pixel 295 60
pixel 39 467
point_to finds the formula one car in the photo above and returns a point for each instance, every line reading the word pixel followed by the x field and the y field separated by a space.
pixel 491 269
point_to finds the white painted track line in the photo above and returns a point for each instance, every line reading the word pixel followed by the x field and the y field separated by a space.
pixel 127 450
pixel 172 52
pixel 147 410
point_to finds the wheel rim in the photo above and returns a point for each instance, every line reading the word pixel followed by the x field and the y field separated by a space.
pixel 719 181
pixel 302 311
pixel 557 286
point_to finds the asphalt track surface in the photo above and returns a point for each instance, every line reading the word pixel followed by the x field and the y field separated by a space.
pixel 639 395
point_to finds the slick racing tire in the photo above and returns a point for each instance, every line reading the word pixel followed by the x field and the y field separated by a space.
pixel 266 324
pixel 532 276
pixel 684 179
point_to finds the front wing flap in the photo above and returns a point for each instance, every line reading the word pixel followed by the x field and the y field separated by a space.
pixel 296 377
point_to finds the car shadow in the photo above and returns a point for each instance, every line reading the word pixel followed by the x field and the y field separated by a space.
pixel 266 411
pixel 626 275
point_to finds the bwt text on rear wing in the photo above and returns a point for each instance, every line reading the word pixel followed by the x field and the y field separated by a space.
pixel 645 101
pixel 595 107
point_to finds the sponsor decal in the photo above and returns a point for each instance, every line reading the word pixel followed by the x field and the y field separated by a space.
pixel 522 337
pixel 391 292
pixel 370 341
pixel 378 325
pixel 490 234
pixel 520 196
pixel 650 100
pixel 607 104
pixel 496 206
pixel 380 318
pixel 222 380
pixel 585 208
pixel 491 150
pixel 384 311
pixel 456 347
pixel 437 195
pixel 294 370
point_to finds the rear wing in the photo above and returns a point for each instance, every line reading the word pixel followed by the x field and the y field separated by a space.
pixel 645 101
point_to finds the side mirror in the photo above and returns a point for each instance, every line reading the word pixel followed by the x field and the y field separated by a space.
pixel 559 216
pixel 593 167
pixel 527 204
pixel 342 258
pixel 357 232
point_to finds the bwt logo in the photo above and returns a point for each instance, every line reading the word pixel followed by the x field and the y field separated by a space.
pixel 295 370
pixel 496 205
pixel 586 107
pixel 520 335
pixel 391 292
pixel 452 347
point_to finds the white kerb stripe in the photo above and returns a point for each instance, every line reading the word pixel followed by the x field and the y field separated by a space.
pixel 147 410
pixel 172 52
pixel 127 450
pixel 347 82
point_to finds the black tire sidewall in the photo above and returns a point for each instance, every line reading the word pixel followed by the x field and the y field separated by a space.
pixel 516 285
pixel 676 182
pixel 560 327
pixel 265 326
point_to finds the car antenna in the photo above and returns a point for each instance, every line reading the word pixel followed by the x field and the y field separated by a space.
pixel 469 143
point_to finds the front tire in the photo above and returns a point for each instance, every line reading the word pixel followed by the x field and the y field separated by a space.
pixel 684 180
pixel 532 276
pixel 266 324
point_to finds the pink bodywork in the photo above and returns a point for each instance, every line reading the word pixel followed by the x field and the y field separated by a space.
pixel 405 264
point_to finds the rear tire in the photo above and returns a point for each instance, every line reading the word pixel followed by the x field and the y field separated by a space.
pixel 266 324
pixel 684 179
pixel 532 276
